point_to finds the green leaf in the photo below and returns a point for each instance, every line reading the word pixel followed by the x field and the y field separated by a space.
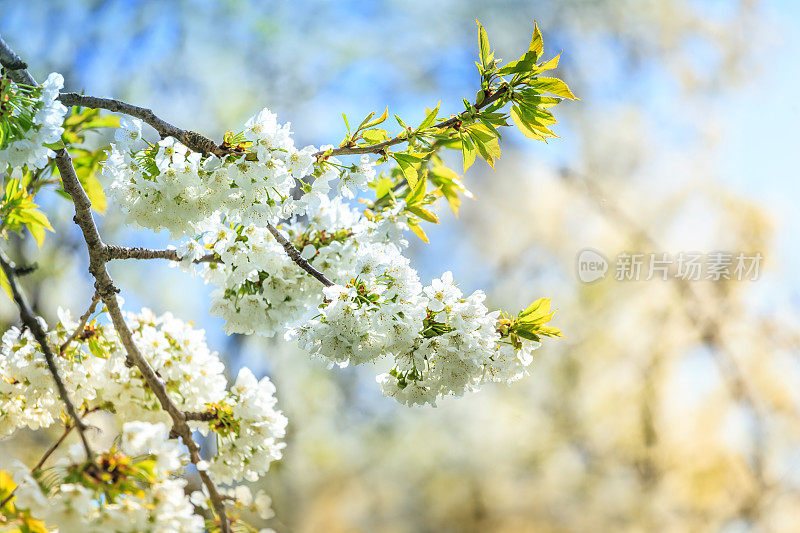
pixel 486 54
pixel 530 324
pixel 346 123
pixel 382 186
pixel 102 121
pixel 417 229
pixel 430 118
pixel 486 142
pixel 417 194
pixel 425 214
pixel 375 136
pixel 468 151
pixel 533 98
pixel 550 331
pixel 525 64
pixel 525 127
pixel 56 145
pixel 525 334
pixel 402 124
pixel 537 313
pixel 450 186
pixel 549 65
pixel 36 222
pixel 537 43
pixel 380 119
pixel 554 86
pixel 409 164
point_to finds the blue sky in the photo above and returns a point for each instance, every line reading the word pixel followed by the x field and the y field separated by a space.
pixel 758 152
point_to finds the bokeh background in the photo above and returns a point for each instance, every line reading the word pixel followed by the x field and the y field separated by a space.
pixel 670 406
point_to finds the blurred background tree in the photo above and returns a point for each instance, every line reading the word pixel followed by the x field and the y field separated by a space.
pixel 671 406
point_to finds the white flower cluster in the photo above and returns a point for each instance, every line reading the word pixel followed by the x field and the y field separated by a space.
pixel 458 350
pixel 441 342
pixel 136 486
pixel 30 118
pixel 248 429
pixel 240 498
pixel 259 287
pixel 167 186
pixel 96 375
pixel 378 313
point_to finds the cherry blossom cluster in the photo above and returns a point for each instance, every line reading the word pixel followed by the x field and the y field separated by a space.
pixel 259 288
pixel 137 485
pixel 244 418
pixel 441 343
pixel 167 186
pixel 31 118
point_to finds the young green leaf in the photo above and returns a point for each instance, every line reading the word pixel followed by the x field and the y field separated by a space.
pixel 537 43
pixel 449 185
pixel 346 123
pixel 485 141
pixel 417 194
pixel 375 136
pixel 424 214
pixel 367 123
pixel 417 229
pixel 468 151
pixel 524 126
pixel 409 163
pixel 554 86
pixel 549 65
pixel 486 55
pixel 537 313
pixel 430 118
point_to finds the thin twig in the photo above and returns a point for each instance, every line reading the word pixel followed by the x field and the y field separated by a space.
pixel 81 324
pixel 295 256
pixel 122 252
pixel 31 321
pixel 191 139
pixel 381 147
pixel 202 144
pixel 67 430
pixel 205 416
pixel 16 67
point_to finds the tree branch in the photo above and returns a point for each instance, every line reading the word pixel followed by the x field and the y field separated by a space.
pixel 191 139
pixel 104 287
pixel 16 67
pixel 30 320
pixel 123 252
pixel 381 147
pixel 205 416
pixel 202 144
pixel 81 325
pixel 295 256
